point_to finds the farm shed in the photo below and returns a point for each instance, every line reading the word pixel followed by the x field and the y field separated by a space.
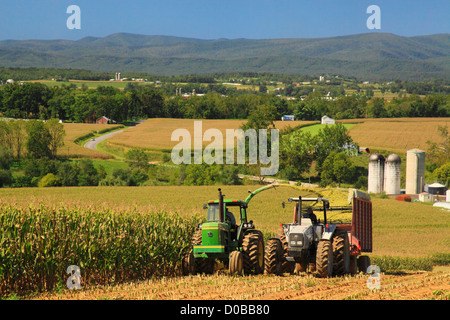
pixel 437 189
pixel 327 120
pixel 425 197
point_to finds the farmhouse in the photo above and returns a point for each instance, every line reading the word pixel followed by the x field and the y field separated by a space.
pixel 102 120
pixel 327 120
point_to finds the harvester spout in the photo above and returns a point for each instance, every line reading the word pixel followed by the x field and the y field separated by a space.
pixel 254 193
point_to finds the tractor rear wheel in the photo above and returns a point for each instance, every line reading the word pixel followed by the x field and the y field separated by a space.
pixel 272 257
pixel 324 259
pixel 341 253
pixel 236 264
pixel 253 250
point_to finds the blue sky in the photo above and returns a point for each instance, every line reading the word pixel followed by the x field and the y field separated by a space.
pixel 212 19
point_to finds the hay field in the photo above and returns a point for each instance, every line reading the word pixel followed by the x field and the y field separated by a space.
pixel 155 134
pixel 399 228
pixel 76 130
pixel 397 135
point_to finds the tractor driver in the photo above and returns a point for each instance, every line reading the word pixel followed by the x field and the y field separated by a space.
pixel 230 217
pixel 309 214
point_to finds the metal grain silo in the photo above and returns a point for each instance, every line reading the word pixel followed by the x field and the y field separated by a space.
pixel 415 171
pixel 392 173
pixel 376 173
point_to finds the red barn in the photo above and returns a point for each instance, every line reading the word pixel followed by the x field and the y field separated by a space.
pixel 102 120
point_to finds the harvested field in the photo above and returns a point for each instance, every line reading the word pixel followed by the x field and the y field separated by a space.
pixel 403 286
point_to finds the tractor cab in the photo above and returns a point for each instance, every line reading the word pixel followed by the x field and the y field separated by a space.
pixel 222 232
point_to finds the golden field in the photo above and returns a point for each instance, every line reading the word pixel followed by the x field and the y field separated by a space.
pixel 397 135
pixel 393 134
pixel 76 130
pixel 155 134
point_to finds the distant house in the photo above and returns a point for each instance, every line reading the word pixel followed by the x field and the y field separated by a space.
pixel 102 120
pixel 327 120
pixel 287 118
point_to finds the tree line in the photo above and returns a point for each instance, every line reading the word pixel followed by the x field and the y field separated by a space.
pixel 38 101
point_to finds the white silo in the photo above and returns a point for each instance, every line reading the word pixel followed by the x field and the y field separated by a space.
pixel 376 173
pixel 415 171
pixel 392 173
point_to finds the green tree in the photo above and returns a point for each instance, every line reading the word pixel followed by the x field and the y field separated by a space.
pixel 49 180
pixel 137 158
pixel 328 139
pixel 337 167
pixel 442 173
pixel 68 174
pixel 296 154
pixel 439 152
pixel 88 175
pixel 39 139
pixel 57 134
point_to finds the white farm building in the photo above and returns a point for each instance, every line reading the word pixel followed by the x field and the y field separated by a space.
pixel 327 120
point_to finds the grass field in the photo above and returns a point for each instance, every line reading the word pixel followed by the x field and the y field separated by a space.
pixel 314 129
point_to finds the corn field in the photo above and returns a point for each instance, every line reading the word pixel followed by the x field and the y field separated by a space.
pixel 37 244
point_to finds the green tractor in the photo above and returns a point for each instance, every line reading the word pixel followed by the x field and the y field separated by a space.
pixel 221 239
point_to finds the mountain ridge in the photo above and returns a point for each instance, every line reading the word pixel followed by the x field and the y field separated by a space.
pixel 372 56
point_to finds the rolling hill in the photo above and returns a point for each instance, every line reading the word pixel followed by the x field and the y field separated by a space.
pixel 370 56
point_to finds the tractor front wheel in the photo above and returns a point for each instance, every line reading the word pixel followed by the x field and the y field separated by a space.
pixel 236 263
pixel 272 257
pixel 188 263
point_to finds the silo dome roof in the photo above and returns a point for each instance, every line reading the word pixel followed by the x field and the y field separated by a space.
pixel 376 157
pixel 393 158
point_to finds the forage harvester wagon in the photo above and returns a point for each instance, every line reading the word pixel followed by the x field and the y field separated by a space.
pixel 325 247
